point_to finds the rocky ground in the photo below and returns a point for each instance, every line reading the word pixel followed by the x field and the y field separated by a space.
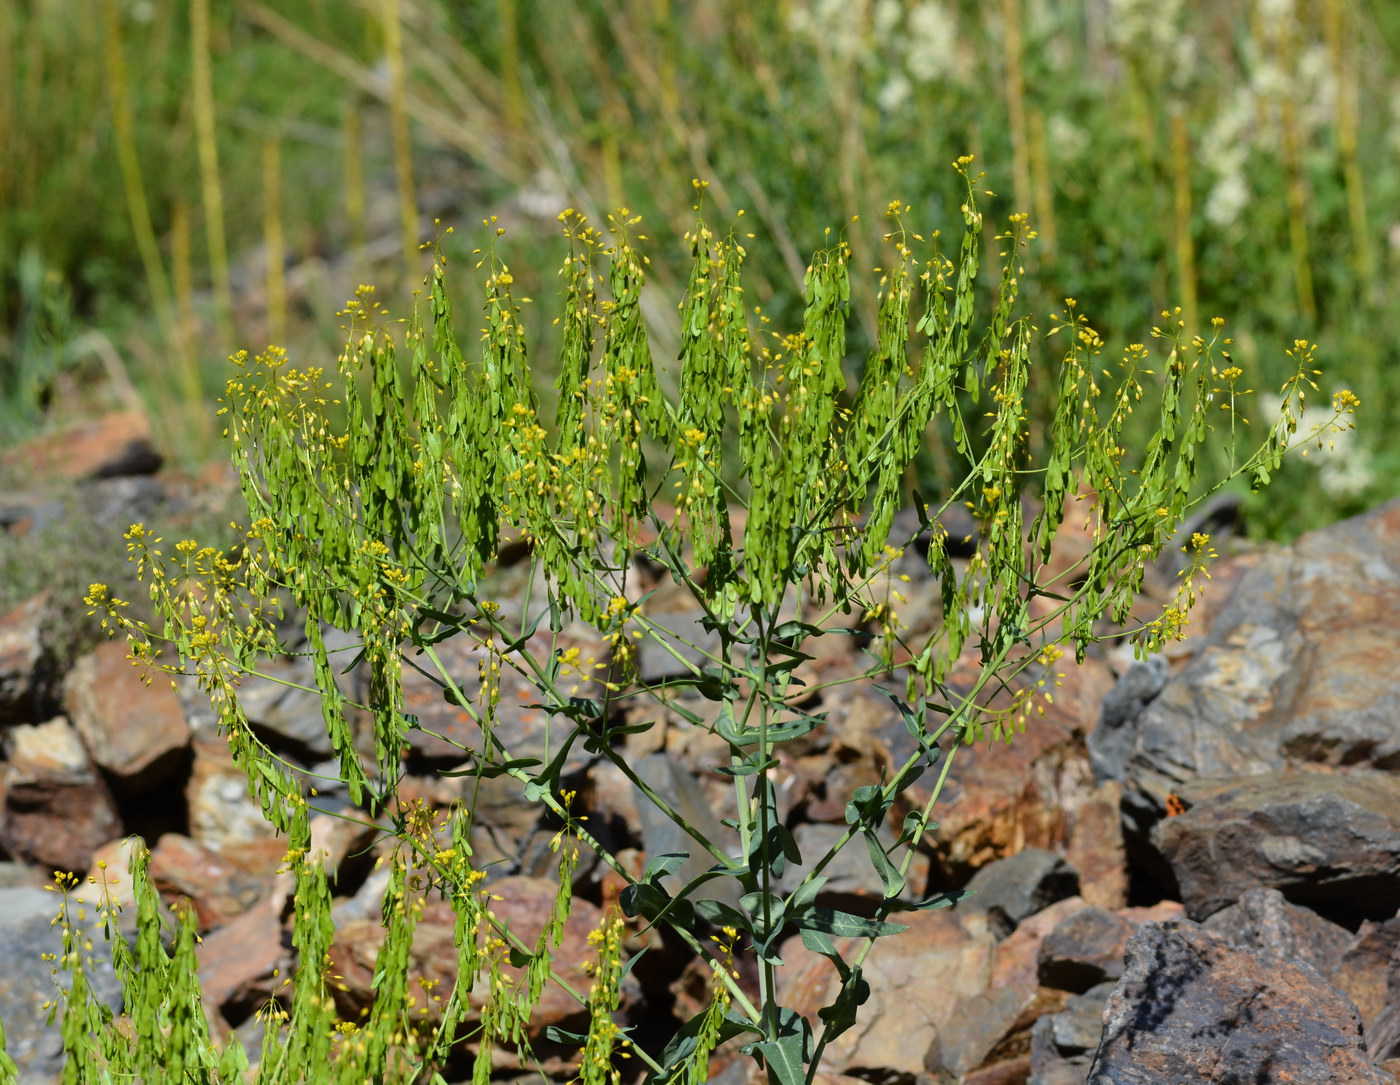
pixel 1188 871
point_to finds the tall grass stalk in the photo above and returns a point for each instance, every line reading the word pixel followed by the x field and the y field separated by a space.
pixel 210 181
pixel 1343 55
pixel 130 162
pixel 1181 205
pixel 392 25
pixel 1014 73
pixel 274 240
pixel 353 175
pixel 190 431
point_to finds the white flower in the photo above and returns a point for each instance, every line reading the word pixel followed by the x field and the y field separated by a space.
pixel 1228 198
pixel 931 46
pixel 894 93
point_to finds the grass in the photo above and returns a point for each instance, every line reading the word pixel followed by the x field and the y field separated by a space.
pixel 1233 160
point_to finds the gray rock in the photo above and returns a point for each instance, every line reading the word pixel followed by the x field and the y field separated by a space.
pixel 679 647
pixel 1084 950
pixel 1062 1044
pixel 1191 1008
pixel 1302 665
pixel 27 982
pixel 1018 886
pixel 1265 924
pixel 1326 840
pixel 21 652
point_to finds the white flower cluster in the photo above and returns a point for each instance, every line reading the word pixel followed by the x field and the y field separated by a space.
pixel 920 40
pixel 1343 467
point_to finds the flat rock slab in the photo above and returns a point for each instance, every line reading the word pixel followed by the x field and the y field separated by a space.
pixel 1326 840
pixel 1192 1009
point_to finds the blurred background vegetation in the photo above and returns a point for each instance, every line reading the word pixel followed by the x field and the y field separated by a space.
pixel 183 178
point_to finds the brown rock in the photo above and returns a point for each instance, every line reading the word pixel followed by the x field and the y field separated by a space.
pixel 135 731
pixel 1364 970
pixel 447 733
pixel 21 649
pixel 917 979
pixel 1001 799
pixel 521 903
pixel 218 888
pixel 57 808
pixel 1096 849
pixel 117 443
pixel 239 963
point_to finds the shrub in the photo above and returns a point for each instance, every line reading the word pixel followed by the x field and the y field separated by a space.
pixel 379 495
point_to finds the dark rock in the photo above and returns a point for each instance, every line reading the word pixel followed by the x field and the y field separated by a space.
pixel 1192 1008
pixel 133 729
pixel 1011 889
pixel 1265 924
pixel 27 980
pixel 1084 950
pixel 1298 667
pixel 1062 1044
pixel 1369 974
pixel 1326 840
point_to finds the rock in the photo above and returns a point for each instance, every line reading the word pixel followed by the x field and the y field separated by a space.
pixel 1265 924
pixel 522 903
pixel 134 730
pixel 1192 1008
pixel 446 733
pixel 1011 889
pixel 218 888
pixel 240 961
pixel 1298 667
pixel 1368 973
pixel 661 835
pixel 853 884
pixel 679 647
pixel 57 809
pixel 1002 798
pixel 1326 840
pixel 221 811
pixel 21 653
pixel 917 980
pixel 1063 1044
pixel 27 980
pixel 1084 950
pixel 115 444
pixel 1096 848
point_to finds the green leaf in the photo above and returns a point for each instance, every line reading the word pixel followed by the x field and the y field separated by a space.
pixel 879 858
pixel 941 900
pixel 841 1014
pixel 668 862
pixel 840 924
pixel 494 769
pixel 719 914
pixel 748 767
pixel 785 1054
